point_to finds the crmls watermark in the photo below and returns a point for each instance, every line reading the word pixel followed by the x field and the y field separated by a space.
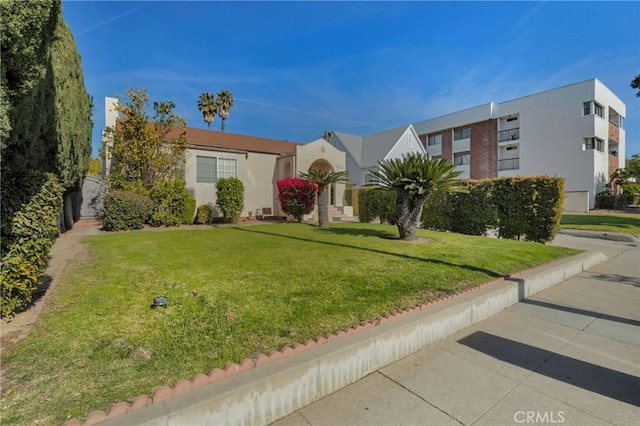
pixel 539 417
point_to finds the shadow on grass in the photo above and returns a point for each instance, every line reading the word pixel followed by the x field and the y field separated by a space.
pixel 373 233
pixel 591 377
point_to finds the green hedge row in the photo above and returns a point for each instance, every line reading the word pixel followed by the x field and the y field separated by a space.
pixel 376 203
pixel 27 236
pixel 606 200
pixel 526 208
pixel 471 213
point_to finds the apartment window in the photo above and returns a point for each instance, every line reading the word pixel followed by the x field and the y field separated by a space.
pixel 461 159
pixel 592 107
pixel 594 143
pixel 435 140
pixel 461 134
pixel 210 169
pixel 512 148
pixel 512 119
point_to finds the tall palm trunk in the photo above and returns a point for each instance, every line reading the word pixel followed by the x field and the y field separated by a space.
pixel 323 207
pixel 222 124
pixel 409 211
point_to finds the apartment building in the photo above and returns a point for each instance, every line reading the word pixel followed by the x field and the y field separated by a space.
pixel 574 131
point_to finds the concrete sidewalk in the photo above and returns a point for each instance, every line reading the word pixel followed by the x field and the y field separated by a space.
pixel 568 355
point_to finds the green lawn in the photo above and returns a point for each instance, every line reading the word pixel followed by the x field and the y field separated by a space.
pixel 233 293
pixel 606 222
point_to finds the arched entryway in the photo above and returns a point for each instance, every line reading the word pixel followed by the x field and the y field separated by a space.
pixel 324 166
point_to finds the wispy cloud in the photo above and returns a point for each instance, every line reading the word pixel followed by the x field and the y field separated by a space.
pixel 108 21
pixel 311 113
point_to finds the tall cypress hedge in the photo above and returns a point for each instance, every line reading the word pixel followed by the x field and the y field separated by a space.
pixel 45 127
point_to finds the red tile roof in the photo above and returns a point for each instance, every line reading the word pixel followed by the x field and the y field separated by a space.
pixel 215 139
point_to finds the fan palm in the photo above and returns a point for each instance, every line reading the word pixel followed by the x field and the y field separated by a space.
pixel 413 177
pixel 207 105
pixel 323 180
pixel 224 104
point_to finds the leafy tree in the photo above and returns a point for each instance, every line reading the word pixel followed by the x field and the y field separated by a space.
pixel 414 177
pixel 144 149
pixel 207 105
pixel 632 166
pixel 297 196
pixel 323 180
pixel 224 103
pixel 635 84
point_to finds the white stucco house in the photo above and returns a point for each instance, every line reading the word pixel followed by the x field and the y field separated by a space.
pixel 258 162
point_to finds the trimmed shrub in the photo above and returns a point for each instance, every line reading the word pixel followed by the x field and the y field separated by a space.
pixel 528 208
pixel 471 213
pixel 124 211
pixel 609 201
pixel 436 213
pixel 189 210
pixel 204 215
pixel 29 229
pixel 169 198
pixel 377 203
pixel 297 196
pixel 230 199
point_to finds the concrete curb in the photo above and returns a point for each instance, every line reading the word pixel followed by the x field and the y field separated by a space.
pixel 611 236
pixel 260 396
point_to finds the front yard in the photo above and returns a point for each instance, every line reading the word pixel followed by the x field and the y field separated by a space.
pixel 233 293
pixel 625 223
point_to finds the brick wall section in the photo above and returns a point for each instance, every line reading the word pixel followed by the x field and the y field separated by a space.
pixel 614 132
pixel 423 139
pixel 447 145
pixel 484 150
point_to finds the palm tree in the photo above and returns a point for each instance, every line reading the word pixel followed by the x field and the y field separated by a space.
pixel 207 105
pixel 323 180
pixel 224 103
pixel 414 177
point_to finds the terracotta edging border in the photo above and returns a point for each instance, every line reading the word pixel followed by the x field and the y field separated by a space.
pixel 162 393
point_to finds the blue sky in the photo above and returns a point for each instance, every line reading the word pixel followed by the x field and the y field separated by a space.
pixel 296 69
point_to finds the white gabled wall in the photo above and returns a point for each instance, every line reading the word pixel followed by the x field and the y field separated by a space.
pixel 406 144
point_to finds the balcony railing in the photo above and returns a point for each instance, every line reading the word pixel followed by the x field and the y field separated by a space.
pixel 509 164
pixel 509 135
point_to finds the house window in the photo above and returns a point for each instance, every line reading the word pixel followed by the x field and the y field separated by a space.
pixel 592 107
pixel 594 143
pixel 210 169
pixel 206 169
pixel 434 140
pixel 227 168
pixel 461 134
pixel 461 159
